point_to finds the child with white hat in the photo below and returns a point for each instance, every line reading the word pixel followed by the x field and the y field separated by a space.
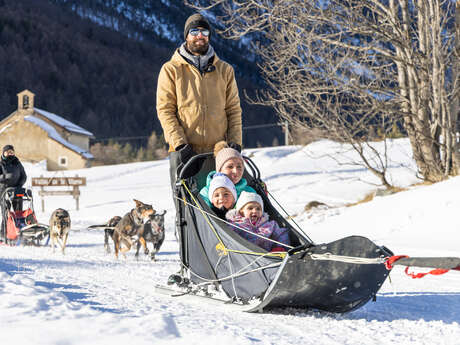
pixel 248 214
pixel 222 194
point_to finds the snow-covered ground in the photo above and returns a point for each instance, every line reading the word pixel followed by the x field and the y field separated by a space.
pixel 88 297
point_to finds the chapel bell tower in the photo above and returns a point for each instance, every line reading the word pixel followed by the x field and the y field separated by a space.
pixel 26 101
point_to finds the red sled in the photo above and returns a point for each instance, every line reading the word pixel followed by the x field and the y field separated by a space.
pixel 19 223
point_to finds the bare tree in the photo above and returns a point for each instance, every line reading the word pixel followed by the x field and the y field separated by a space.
pixel 455 104
pixel 350 67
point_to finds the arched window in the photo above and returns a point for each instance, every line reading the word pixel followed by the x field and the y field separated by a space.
pixel 25 102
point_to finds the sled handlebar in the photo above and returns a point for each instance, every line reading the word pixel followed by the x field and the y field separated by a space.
pixel 11 192
pixel 184 168
pixel 5 177
pixel 255 172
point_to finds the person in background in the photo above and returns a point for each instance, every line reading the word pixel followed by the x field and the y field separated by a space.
pixel 248 214
pixel 12 170
pixel 12 174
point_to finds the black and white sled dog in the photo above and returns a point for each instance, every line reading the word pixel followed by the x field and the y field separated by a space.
pixel 153 231
pixel 59 228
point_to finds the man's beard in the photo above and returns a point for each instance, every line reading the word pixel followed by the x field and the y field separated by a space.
pixel 197 49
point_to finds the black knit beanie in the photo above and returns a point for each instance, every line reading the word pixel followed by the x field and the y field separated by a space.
pixel 194 21
pixel 7 147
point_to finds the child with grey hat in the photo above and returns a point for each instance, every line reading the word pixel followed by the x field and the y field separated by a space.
pixel 248 214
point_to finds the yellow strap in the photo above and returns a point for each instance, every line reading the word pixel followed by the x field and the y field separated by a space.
pixel 203 213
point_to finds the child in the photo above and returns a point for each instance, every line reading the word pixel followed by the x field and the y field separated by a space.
pixel 222 194
pixel 230 162
pixel 248 214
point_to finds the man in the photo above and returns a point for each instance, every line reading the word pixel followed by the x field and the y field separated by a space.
pixel 12 174
pixel 197 98
pixel 197 104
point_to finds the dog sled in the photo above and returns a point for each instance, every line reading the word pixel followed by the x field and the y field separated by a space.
pixel 19 223
pixel 339 277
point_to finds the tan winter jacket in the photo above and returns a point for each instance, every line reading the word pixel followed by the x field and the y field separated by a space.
pixel 198 109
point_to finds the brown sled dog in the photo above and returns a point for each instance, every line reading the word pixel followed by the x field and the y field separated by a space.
pixel 59 228
pixel 129 225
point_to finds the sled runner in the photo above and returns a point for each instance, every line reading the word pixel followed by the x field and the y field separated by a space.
pixel 338 277
pixel 19 224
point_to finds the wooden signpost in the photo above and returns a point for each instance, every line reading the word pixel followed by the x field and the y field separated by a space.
pixel 74 182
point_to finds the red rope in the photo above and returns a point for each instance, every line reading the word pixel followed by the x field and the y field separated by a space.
pixel 437 271
pixel 391 260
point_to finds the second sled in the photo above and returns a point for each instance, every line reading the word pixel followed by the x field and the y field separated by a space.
pixel 19 223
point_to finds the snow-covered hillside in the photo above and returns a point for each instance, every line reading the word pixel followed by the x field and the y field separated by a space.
pixel 89 297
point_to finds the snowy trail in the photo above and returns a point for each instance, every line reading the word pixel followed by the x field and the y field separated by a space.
pixel 124 289
pixel 89 297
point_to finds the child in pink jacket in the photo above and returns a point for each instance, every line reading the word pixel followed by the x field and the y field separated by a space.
pixel 248 214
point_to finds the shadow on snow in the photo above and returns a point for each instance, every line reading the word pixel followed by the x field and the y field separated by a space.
pixel 427 306
pixel 70 291
pixel 412 306
pixel 73 295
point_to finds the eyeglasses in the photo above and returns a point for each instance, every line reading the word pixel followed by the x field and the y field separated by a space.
pixel 195 32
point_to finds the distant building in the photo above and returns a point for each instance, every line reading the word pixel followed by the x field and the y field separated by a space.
pixel 39 135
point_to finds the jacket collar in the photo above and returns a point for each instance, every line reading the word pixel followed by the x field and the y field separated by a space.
pixel 9 159
pixel 177 58
pixel 199 61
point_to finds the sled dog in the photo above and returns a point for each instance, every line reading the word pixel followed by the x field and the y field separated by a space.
pixel 129 225
pixel 108 232
pixel 59 228
pixel 152 231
